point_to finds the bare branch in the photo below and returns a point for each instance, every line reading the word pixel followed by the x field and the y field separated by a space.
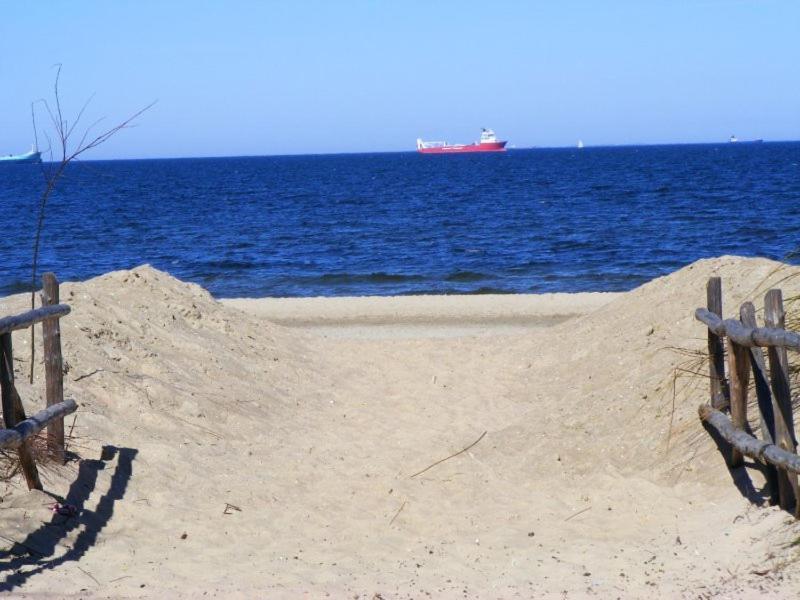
pixel 80 114
pixel 60 128
pixel 53 118
pixel 88 130
pixel 103 137
pixel 35 129
pixel 48 172
pixel 55 169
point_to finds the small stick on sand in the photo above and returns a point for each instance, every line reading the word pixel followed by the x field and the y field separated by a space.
pixel 402 506
pixel 85 375
pixel 90 575
pixel 580 512
pixel 229 508
pixel 438 462
pixel 68 439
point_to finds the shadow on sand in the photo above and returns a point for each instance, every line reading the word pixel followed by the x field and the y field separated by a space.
pixel 740 476
pixel 38 548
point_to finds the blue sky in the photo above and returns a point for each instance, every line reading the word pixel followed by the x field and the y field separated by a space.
pixel 248 78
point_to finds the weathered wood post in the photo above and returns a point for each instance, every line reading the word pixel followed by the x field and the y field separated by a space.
pixel 739 374
pixel 716 353
pixel 774 316
pixel 13 412
pixel 53 367
pixel 747 314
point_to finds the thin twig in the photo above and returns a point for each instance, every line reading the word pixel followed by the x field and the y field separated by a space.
pixel 438 462
pixel 35 132
pixel 399 510
pixel 229 507
pixel 200 427
pixel 672 412
pixel 85 572
pixel 580 512
pixel 69 436
pixel 85 375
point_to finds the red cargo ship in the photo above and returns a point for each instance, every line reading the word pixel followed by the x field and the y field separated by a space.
pixel 488 143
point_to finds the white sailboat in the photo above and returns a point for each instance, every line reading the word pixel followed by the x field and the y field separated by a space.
pixel 580 144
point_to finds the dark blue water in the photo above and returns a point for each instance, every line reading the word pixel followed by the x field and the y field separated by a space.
pixel 524 221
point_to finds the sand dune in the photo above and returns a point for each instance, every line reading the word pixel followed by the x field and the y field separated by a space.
pixel 257 459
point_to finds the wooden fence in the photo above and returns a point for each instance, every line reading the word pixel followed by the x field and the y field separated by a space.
pixel 741 341
pixel 19 428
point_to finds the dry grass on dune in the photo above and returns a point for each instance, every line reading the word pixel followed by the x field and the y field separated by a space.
pixel 690 376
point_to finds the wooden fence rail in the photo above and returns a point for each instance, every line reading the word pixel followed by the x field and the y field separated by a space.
pixel 744 341
pixel 32 317
pixel 747 444
pixel 13 438
pixel 748 336
pixel 19 428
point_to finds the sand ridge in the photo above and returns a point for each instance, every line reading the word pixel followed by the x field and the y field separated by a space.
pixel 587 483
pixel 376 317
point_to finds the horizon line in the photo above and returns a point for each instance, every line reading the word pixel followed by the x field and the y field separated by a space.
pixel 414 151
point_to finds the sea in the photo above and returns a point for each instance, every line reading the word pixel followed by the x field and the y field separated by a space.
pixel 524 221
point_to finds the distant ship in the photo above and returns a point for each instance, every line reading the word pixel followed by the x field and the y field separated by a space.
pixel 34 156
pixel 488 143
pixel 734 140
pixel 580 144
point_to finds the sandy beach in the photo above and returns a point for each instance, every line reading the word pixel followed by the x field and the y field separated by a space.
pixel 381 317
pixel 290 448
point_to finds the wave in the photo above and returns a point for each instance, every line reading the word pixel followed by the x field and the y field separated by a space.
pixel 466 276
pixel 458 292
pixel 348 278
pixel 489 290
pixel 228 264
pixel 17 286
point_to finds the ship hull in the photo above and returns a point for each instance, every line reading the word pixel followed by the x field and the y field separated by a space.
pixel 465 148
pixel 30 157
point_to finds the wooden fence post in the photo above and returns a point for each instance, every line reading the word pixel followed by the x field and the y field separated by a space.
pixel 747 314
pixel 716 353
pixel 13 412
pixel 739 374
pixel 53 367
pixel 774 316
